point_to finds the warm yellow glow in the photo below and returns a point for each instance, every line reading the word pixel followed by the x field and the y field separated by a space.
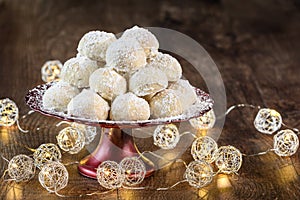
pixel 14 193
pixel 47 155
pixel 287 138
pixel 14 165
pixel 274 113
pixel 4 135
pixel 128 194
pixel 288 174
pixel 201 132
pixel 46 173
pixel 203 193
pixel 56 70
pixel 106 172
pixel 223 182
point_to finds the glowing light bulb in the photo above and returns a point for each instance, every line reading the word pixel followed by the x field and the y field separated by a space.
pixel 166 136
pixel 53 176
pixel 88 131
pixel 286 143
pixel 267 121
pixel 134 170
pixel 110 175
pixel 21 168
pixel 51 71
pixel 204 122
pixel 199 174
pixel 46 152
pixel 71 140
pixel 9 112
pixel 229 159
pixel 204 148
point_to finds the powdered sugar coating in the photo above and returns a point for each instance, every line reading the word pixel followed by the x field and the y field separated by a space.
pixel 168 64
pixel 76 71
pixel 129 107
pixel 146 39
pixel 58 96
pixel 148 80
pixel 185 92
pixel 94 44
pixel 108 83
pixel 88 105
pixel 34 100
pixel 125 55
pixel 165 104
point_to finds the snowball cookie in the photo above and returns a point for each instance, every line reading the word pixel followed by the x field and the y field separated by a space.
pixel 129 107
pixel 125 55
pixel 94 44
pixel 165 104
pixel 58 96
pixel 185 91
pixel 146 39
pixel 168 64
pixel 88 105
pixel 148 80
pixel 108 83
pixel 76 71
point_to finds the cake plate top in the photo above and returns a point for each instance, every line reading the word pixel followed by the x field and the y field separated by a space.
pixel 34 101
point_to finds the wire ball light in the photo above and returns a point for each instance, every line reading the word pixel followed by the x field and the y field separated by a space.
pixel 286 143
pixel 89 131
pixel 166 136
pixel 9 112
pixel 131 170
pixel 71 140
pixel 229 159
pixel 51 70
pixel 110 175
pixel 45 153
pixel 21 168
pixel 134 170
pixel 199 173
pixel 267 121
pixel 53 176
pixel 204 122
pixel 204 148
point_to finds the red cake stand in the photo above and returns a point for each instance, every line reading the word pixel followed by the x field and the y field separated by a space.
pixel 116 141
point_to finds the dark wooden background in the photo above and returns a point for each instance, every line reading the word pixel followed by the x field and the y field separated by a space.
pixel 255 44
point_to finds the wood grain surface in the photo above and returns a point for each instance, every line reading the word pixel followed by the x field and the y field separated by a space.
pixel 255 44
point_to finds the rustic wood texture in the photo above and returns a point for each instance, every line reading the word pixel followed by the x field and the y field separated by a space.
pixel 255 44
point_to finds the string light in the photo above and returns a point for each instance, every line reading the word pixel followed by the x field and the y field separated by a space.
pixel 71 140
pixel 204 148
pixel 51 71
pixel 204 122
pixel 45 153
pixel 21 168
pixel 199 174
pixel 267 121
pixel 134 170
pixel 110 175
pixel 166 136
pixel 53 176
pixel 286 143
pixel 88 131
pixel 131 170
pixel 229 159
pixel 9 112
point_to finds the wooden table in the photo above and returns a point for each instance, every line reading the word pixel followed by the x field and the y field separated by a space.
pixel 255 44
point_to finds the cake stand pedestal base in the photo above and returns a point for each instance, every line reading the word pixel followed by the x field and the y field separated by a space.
pixel 114 145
